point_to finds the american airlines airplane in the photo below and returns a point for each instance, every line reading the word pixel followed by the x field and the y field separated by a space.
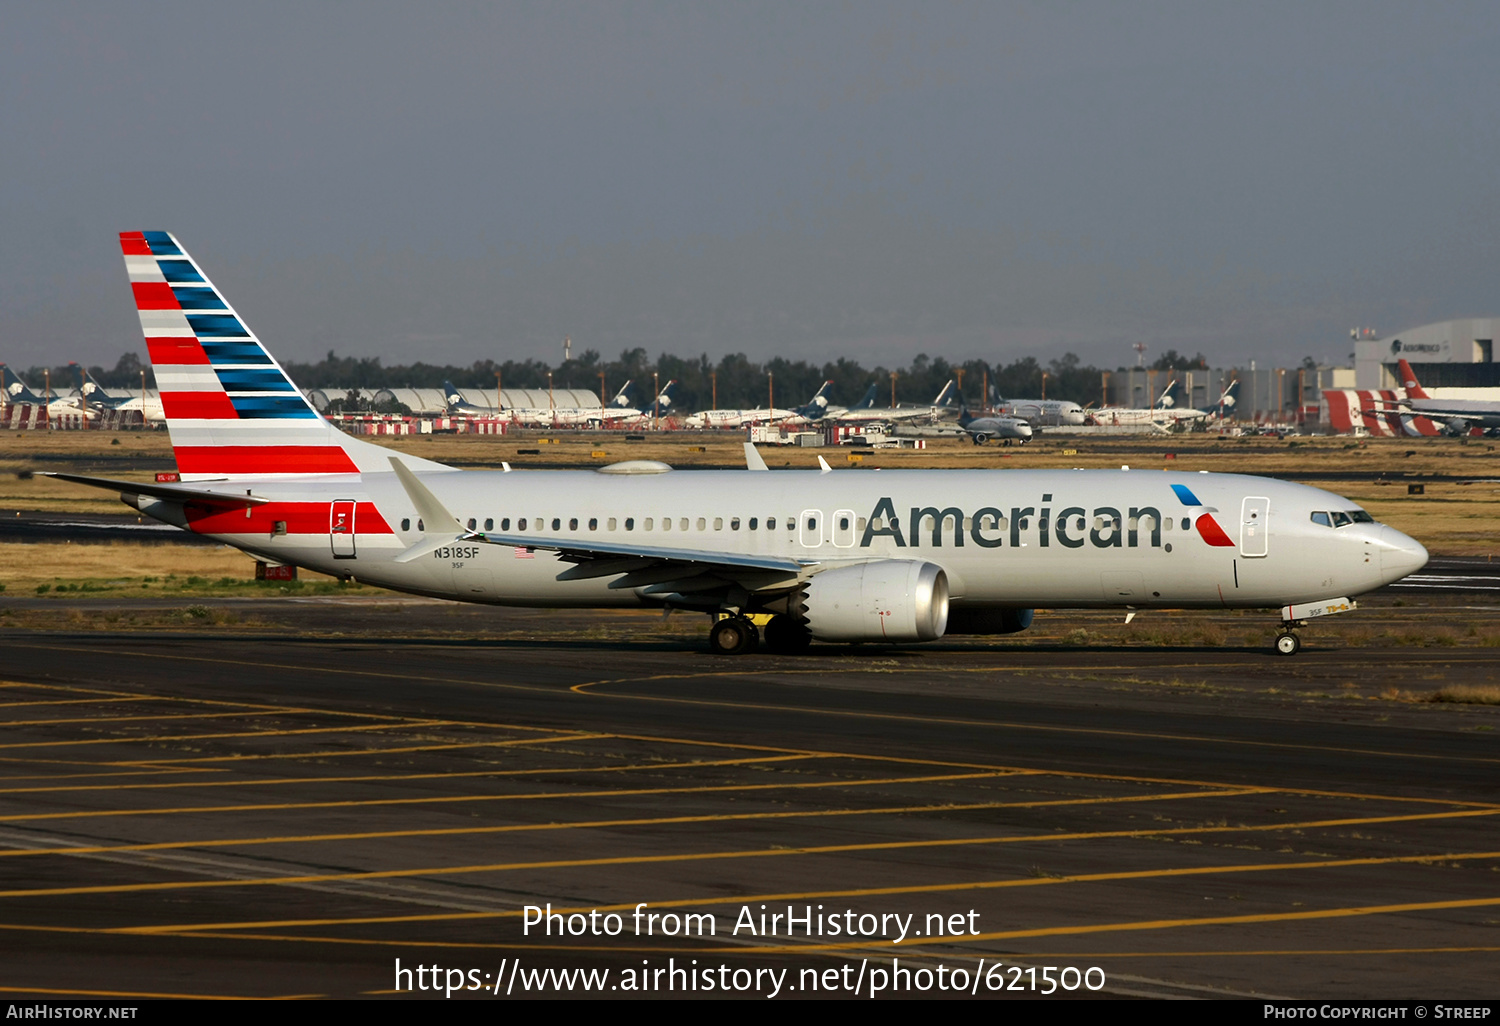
pixel 849 556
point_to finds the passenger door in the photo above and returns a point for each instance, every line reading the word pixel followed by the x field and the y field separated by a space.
pixel 1255 516
pixel 341 528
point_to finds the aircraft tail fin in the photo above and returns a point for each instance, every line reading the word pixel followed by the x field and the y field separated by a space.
pixel 1409 381
pixel 947 394
pixel 867 402
pixel 231 409
pixel 16 390
pixel 664 397
pixel 621 401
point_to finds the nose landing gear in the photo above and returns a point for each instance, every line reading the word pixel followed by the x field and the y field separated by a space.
pixel 1287 643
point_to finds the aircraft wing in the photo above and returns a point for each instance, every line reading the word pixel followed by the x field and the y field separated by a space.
pixel 678 575
pixel 171 492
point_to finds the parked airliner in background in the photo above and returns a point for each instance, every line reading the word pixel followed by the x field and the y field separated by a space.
pixel 17 391
pixel 849 556
pixel 1040 412
pixel 1458 416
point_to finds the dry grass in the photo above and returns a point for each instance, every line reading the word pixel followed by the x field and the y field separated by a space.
pixel 116 568
pixel 1468 694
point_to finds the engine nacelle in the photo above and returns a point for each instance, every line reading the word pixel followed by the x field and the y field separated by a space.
pixel 886 600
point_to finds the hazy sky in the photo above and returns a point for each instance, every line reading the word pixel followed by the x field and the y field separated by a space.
pixel 458 181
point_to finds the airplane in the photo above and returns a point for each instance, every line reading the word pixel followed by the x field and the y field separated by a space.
pixel 620 409
pixel 18 392
pixel 866 412
pixel 727 418
pixel 1163 413
pixel 1040 412
pixel 982 429
pixel 1224 408
pixel 1458 416
pixel 623 412
pixel 96 395
pixel 899 556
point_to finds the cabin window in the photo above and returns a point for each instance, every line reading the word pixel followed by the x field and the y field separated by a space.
pixel 420 525
pixel 702 524
pixel 1166 525
pixel 682 525
pixel 521 524
pixel 649 524
pixel 611 524
pixel 557 523
pixel 734 523
pixel 505 524
pixel 406 523
pixel 593 523
pixel 859 525
pixel 630 523
pixel 666 523
pixel 1322 518
pixel 968 523
pixel 1135 523
pixel 1187 523
pixel 489 523
pixel 877 523
pixel 472 523
pixel 573 524
pixel 718 523
pixel 770 523
pixel 753 522
pixel 844 524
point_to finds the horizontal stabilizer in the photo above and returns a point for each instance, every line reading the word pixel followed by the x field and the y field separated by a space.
pixel 172 493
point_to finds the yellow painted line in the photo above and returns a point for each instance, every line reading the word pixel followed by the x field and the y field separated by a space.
pixel 153 717
pixel 1089 774
pixel 891 947
pixel 341 729
pixel 593 824
pixel 860 892
pixel 991 724
pixel 198 761
pixel 153 994
pixel 86 701
pixel 446 799
pixel 711 856
pixel 242 782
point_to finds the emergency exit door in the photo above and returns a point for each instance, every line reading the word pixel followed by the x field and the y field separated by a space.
pixel 341 528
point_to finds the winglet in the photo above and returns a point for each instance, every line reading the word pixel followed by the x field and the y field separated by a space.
pixel 753 459
pixel 824 464
pixel 432 511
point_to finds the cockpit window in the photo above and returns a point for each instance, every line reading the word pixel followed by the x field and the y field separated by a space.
pixel 1322 518
pixel 1341 519
pixel 1359 516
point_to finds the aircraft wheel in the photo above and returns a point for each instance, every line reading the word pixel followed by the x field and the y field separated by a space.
pixel 785 636
pixel 1287 644
pixel 732 636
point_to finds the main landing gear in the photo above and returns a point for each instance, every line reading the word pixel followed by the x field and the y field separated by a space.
pixel 733 635
pixel 736 634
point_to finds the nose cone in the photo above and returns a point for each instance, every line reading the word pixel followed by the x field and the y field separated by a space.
pixel 1399 555
pixel 1024 429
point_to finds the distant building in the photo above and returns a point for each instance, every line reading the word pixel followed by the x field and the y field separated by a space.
pixel 1448 354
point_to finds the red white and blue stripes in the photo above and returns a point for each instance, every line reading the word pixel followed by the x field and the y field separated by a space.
pixel 230 407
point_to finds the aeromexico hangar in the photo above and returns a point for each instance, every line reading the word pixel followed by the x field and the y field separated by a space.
pixel 1447 354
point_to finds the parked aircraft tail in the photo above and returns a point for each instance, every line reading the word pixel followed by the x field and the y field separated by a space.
pixel 867 401
pixel 947 395
pixel 231 409
pixel 1414 389
pixel 16 390
pixel 817 406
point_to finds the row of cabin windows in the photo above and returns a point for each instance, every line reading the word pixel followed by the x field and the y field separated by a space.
pixel 647 523
pixel 988 522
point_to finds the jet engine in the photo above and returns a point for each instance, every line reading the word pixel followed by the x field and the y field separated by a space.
pixel 885 600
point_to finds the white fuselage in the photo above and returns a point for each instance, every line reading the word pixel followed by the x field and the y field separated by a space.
pixel 1057 538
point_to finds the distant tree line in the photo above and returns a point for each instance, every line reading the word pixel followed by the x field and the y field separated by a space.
pixel 734 381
